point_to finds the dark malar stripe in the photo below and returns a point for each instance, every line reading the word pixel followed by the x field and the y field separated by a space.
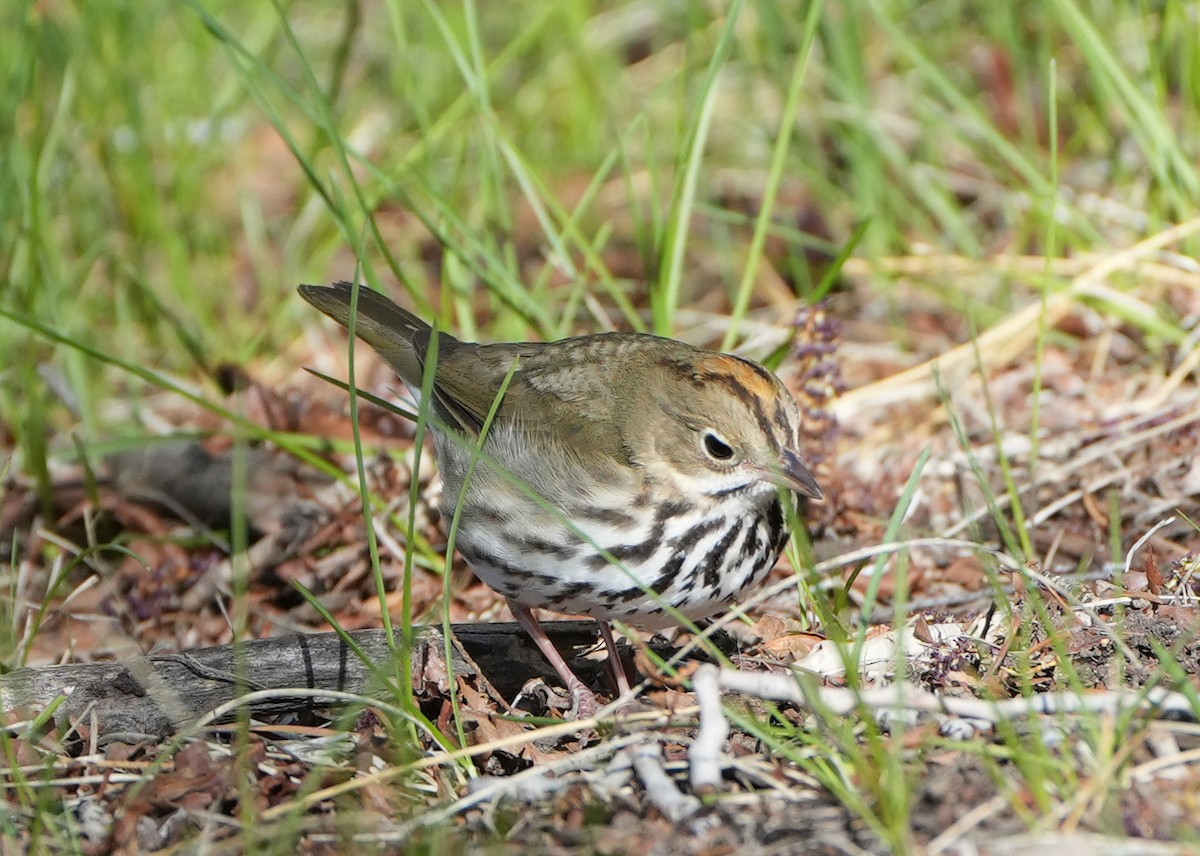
pixel 727 491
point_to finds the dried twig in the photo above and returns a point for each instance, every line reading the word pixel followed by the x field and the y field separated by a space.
pixel 900 698
pixel 1004 342
pixel 661 789
pixel 706 749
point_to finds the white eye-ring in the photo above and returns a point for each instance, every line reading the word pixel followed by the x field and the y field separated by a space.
pixel 716 446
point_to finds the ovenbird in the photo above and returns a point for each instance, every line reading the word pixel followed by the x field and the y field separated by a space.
pixel 620 474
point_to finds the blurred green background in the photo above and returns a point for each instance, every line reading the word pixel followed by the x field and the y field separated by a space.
pixel 169 171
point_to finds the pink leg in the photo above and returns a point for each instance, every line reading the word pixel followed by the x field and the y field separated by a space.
pixel 584 699
pixel 614 659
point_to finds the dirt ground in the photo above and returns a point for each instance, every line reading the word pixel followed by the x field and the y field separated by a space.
pixel 1109 606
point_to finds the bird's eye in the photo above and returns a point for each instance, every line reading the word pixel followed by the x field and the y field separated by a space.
pixel 716 447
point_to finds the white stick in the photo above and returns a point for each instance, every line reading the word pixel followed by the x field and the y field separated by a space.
pixel 708 747
pixel 660 788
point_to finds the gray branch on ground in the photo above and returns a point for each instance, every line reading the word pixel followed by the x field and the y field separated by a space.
pixel 158 694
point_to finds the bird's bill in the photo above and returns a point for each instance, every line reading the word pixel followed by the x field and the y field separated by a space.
pixel 793 475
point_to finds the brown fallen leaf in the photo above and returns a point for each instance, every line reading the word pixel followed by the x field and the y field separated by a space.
pixel 1154 574
pixel 793 646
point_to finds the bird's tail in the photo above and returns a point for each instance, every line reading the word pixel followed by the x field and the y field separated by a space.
pixel 396 334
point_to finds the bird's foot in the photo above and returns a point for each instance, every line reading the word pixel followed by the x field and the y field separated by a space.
pixel 584 704
pixel 580 702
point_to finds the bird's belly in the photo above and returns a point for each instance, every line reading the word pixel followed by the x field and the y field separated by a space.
pixel 690 567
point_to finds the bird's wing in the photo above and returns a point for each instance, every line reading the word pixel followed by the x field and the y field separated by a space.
pixel 564 401
pixel 468 378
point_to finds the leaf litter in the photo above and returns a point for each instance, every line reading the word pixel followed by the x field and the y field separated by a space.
pixel 969 647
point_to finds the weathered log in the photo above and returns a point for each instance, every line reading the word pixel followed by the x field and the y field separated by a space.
pixel 158 694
